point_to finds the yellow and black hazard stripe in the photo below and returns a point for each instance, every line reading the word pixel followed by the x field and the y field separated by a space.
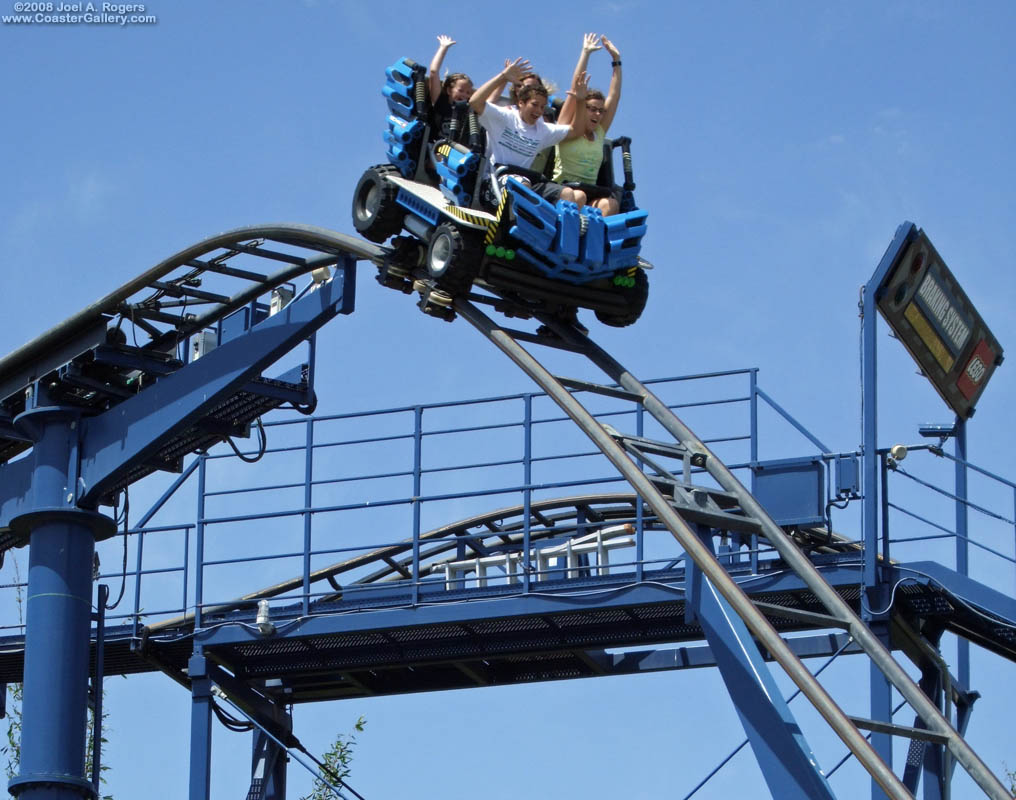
pixel 467 216
pixel 492 225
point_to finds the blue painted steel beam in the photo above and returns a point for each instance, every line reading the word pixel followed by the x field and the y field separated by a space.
pixel 441 612
pixel 789 766
pixel 135 429
pixel 963 588
pixel 58 608
pixel 131 432
pixel 880 688
pixel 962 548
pixel 201 729
pixel 698 656
pixel 869 378
pixel 47 500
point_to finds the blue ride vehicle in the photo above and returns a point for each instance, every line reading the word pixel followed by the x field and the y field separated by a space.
pixel 537 257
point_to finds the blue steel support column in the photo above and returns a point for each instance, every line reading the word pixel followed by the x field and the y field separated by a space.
pixel 787 762
pixel 201 729
pixel 58 610
pixel 962 548
pixel 881 691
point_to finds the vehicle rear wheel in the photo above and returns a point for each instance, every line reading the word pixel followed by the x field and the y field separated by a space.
pixel 635 297
pixel 376 216
pixel 452 261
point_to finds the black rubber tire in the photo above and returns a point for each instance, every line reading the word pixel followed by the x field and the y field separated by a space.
pixel 376 215
pixel 452 261
pixel 635 296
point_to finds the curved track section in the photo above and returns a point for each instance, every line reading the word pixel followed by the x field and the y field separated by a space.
pixel 120 345
pixel 141 299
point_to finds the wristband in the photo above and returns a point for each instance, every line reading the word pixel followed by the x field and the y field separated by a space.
pixel 615 63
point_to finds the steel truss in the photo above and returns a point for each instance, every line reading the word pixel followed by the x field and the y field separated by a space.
pixel 398 615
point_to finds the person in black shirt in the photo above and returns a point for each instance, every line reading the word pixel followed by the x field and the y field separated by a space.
pixel 455 88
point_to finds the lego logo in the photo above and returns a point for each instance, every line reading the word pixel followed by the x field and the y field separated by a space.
pixel 976 370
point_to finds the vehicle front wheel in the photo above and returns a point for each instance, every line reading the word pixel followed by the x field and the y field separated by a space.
pixel 452 261
pixel 376 215
pixel 635 297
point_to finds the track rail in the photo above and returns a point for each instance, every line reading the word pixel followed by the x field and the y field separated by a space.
pixel 571 338
pixel 127 340
pixel 207 256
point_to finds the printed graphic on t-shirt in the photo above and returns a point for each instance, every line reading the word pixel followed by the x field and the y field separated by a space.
pixel 523 145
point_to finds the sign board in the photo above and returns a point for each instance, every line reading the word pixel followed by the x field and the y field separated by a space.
pixel 933 317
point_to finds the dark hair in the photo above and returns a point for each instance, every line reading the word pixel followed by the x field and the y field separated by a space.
pixel 452 79
pixel 525 93
pixel 513 93
pixel 595 94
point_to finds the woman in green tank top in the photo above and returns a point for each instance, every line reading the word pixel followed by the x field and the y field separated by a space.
pixel 579 160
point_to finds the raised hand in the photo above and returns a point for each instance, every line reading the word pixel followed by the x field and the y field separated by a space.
pixel 590 43
pixel 445 41
pixel 580 86
pixel 609 45
pixel 517 70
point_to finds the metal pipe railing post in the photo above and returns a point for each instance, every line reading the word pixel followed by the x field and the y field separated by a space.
pixel 199 544
pixel 308 500
pixel 527 469
pixel 100 659
pixel 753 454
pixel 640 416
pixel 962 549
pixel 135 620
pixel 884 496
pixel 186 567
pixel 417 490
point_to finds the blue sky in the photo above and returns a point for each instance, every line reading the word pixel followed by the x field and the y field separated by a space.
pixel 777 147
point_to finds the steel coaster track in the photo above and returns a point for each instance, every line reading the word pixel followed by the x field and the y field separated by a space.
pixel 570 338
pixel 127 341
pixel 160 307
pixel 137 328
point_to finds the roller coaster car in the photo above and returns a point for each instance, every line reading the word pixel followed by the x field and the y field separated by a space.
pixel 538 257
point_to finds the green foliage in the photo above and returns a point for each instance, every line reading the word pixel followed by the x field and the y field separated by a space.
pixel 1010 774
pixel 15 691
pixel 337 761
pixel 12 750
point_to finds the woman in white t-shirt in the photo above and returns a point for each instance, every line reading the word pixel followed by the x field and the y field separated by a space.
pixel 516 134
